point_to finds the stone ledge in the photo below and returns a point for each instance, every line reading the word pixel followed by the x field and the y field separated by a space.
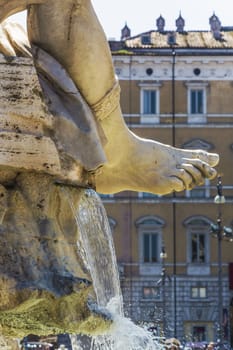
pixel 21 96
pixel 26 126
pixel 29 152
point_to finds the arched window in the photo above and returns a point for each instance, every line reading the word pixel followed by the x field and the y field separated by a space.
pixel 150 231
pixel 198 240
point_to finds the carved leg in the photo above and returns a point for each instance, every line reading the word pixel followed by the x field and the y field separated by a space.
pixel 63 29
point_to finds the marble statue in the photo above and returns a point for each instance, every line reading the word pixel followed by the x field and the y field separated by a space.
pixel 78 138
pixel 70 33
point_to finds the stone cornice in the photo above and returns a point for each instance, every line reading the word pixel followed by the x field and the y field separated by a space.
pixel 211 67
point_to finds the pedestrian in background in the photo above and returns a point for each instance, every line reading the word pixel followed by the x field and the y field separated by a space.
pixel 172 344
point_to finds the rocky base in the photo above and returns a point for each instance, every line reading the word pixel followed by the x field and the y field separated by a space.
pixel 44 314
pixel 44 283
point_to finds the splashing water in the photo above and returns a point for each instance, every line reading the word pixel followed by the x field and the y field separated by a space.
pixel 96 240
pixel 124 334
pixel 99 255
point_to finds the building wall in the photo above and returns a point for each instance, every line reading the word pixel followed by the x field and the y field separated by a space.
pixel 183 313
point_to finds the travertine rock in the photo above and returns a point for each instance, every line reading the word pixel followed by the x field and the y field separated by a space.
pixel 44 282
pixel 27 138
pixel 40 265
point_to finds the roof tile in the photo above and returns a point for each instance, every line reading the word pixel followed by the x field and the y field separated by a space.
pixel 190 39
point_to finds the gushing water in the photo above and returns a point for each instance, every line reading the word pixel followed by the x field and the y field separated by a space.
pixel 99 256
pixel 124 334
pixel 96 240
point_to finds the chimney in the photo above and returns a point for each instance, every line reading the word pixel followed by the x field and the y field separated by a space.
pixel 215 26
pixel 160 22
pixel 125 32
pixel 180 23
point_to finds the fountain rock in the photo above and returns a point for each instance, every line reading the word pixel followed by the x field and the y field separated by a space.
pixel 27 138
pixel 44 283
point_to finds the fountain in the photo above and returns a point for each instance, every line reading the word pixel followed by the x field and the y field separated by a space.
pixel 62 137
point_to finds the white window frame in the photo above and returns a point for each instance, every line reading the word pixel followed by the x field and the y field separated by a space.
pixel 148 195
pixel 195 118
pixel 151 233
pixel 205 188
pixel 154 295
pixel 152 225
pixel 199 296
pixel 199 326
pixel 198 268
pixel 106 196
pixel 198 233
pixel 150 118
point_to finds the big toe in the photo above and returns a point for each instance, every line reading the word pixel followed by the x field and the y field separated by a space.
pixel 213 159
pixel 210 158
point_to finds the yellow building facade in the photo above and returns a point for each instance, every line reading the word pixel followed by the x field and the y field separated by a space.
pixel 177 88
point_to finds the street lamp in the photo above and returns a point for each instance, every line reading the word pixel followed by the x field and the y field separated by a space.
pixel 162 282
pixel 220 232
pixel 171 41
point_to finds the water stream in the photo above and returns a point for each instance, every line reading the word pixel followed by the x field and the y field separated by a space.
pixel 99 256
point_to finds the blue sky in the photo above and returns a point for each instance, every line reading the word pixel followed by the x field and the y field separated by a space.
pixel 141 15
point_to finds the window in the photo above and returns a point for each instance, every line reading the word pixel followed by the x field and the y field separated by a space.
pixel 106 196
pixel 198 245
pixel 149 102
pixel 150 248
pixel 200 191
pixel 196 102
pixel 199 333
pixel 145 40
pixel 147 195
pixel 198 292
pixel 198 248
pixel 149 233
pixel 150 292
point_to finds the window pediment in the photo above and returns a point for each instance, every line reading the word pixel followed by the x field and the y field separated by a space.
pixel 197 144
pixel 197 221
pixel 150 221
pixel 196 84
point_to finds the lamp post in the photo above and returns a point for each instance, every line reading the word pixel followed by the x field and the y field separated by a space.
pixel 174 194
pixel 171 40
pixel 220 232
pixel 162 282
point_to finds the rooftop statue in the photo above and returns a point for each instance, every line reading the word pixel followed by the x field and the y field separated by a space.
pixel 77 138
